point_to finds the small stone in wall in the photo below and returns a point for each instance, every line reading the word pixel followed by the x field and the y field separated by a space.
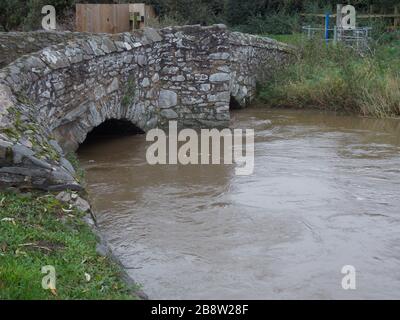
pixel 220 77
pixel 25 142
pixel 170 70
pixel 99 92
pixel 167 99
pixel 20 152
pixel 67 165
pixel 205 87
pixel 56 146
pixel 145 82
pixel 152 34
pixel 219 56
pixel 200 77
pixel 169 114
pixel 114 86
pixel 179 78
pixel 221 96
pixel 141 60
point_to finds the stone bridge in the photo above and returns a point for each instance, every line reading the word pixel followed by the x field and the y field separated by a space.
pixel 65 84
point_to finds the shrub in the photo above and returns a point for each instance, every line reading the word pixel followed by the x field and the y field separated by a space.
pixel 337 78
pixel 26 15
pixel 276 23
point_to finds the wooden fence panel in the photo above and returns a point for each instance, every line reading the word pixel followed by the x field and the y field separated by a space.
pixel 107 18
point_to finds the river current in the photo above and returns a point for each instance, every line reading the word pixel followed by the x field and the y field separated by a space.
pixel 325 193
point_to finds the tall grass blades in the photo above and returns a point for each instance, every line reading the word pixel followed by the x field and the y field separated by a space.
pixel 337 78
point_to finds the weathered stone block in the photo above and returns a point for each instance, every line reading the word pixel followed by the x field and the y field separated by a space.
pixel 141 60
pixel 221 96
pixel 152 35
pixel 220 77
pixel 169 114
pixel 219 56
pixel 20 152
pixel 167 99
pixel 145 82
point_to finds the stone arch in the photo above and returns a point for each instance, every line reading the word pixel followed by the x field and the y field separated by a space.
pixel 50 100
pixel 116 127
pixel 114 84
pixel 111 129
pixel 74 132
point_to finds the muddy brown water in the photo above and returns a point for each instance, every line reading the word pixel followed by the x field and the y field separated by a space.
pixel 325 193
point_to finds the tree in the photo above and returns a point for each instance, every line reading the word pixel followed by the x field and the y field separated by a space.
pixel 12 13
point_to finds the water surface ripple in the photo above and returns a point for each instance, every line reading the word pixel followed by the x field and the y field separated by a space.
pixel 324 194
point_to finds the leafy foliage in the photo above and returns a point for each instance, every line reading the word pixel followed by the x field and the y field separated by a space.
pixel 336 78
pixel 261 14
pixel 26 15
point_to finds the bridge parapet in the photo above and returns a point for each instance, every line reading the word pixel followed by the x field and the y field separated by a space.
pixel 253 58
pixel 51 99
pixel 16 44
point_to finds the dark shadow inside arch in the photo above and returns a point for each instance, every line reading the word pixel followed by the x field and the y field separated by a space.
pixel 111 129
pixel 234 104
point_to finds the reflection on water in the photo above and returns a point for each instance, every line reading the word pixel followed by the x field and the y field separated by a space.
pixel 324 194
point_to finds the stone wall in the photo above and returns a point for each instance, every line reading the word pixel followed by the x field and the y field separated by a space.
pixel 51 99
pixel 16 44
pixel 252 59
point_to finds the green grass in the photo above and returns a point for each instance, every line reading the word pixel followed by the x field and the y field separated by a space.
pixel 37 230
pixel 337 78
pixel 294 38
pixel 80 172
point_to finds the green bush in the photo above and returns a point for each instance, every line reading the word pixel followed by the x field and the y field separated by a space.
pixel 12 13
pixel 337 78
pixel 277 23
pixel 26 15
pixel 255 16
pixel 203 12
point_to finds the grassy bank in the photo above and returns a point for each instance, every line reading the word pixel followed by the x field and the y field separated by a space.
pixel 337 78
pixel 37 230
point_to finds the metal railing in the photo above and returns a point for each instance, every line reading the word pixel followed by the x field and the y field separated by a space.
pixel 357 38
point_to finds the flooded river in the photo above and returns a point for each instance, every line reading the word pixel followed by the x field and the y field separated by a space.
pixel 325 193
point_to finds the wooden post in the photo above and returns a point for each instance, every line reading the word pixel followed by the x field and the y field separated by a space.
pixel 339 15
pixel 339 22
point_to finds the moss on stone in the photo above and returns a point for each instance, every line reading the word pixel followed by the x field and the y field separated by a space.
pixel 129 93
pixel 23 98
pixel 11 133
pixel 48 152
